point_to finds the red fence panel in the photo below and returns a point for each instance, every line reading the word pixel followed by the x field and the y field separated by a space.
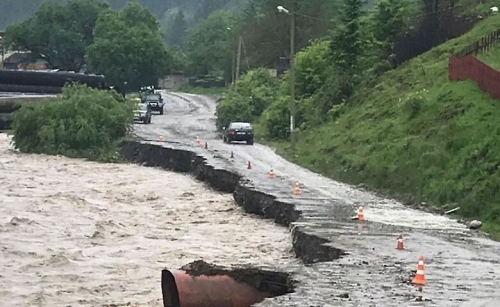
pixel 469 67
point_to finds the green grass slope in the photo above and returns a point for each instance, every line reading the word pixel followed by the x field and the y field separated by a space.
pixel 417 134
pixel 492 57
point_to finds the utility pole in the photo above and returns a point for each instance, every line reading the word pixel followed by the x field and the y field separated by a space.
pixel 292 74
pixel 233 62
pixel 238 61
pixel 292 81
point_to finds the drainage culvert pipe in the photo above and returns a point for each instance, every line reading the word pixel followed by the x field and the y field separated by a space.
pixel 210 286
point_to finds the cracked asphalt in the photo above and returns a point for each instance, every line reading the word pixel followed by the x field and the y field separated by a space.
pixel 462 266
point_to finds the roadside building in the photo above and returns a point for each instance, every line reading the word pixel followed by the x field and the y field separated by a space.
pixel 25 60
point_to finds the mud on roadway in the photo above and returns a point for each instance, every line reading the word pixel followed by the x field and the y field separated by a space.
pixel 461 266
pixel 78 233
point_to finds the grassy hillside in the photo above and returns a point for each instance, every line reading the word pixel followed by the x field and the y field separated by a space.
pixel 492 57
pixel 416 134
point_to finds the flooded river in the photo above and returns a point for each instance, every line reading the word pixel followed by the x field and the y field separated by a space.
pixel 74 232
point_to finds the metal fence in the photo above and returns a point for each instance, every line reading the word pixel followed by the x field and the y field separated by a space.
pixel 482 45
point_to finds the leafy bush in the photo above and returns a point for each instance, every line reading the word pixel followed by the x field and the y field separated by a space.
pixel 276 118
pixel 312 73
pixel 83 122
pixel 250 96
pixel 312 68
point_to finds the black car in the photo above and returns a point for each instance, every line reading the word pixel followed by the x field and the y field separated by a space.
pixel 238 132
pixel 155 101
pixel 143 113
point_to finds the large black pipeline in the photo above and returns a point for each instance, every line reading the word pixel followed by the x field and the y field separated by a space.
pixel 49 78
pixel 41 89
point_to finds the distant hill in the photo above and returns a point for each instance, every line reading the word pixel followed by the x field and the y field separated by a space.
pixel 14 11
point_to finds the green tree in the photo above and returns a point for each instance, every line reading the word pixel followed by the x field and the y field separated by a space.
pixel 179 59
pixel 347 48
pixel 311 71
pixel 248 99
pixel 208 47
pixel 205 7
pixel 390 21
pixel 266 31
pixel 128 48
pixel 346 37
pixel 59 33
pixel 177 33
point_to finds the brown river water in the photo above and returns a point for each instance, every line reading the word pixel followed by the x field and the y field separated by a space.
pixel 79 233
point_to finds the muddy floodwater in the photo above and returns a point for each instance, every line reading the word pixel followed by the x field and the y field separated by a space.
pixel 79 233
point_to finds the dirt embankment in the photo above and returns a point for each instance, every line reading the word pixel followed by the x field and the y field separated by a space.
pixel 74 232
pixel 309 248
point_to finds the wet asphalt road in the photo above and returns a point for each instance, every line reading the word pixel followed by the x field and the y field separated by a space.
pixel 462 267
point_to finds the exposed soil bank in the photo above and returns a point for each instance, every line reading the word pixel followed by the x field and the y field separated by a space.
pixel 309 248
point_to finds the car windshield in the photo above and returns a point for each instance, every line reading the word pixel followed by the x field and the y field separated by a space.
pixel 153 97
pixel 240 126
pixel 143 107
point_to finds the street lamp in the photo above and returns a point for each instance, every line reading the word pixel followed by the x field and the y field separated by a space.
pixel 3 51
pixel 233 56
pixel 292 75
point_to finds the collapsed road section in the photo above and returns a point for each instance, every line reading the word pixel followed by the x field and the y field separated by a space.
pixel 309 248
pixel 460 265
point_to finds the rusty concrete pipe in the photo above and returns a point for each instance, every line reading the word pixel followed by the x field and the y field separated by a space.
pixel 180 289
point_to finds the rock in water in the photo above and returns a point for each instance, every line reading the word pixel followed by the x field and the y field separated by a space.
pixel 475 224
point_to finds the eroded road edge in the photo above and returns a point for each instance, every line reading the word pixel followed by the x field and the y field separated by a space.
pixel 309 248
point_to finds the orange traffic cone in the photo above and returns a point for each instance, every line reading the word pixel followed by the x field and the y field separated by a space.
pixel 361 213
pixel 419 279
pixel 249 166
pixel 161 138
pixel 198 142
pixel 232 155
pixel 206 145
pixel 400 245
pixel 271 174
pixel 297 190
